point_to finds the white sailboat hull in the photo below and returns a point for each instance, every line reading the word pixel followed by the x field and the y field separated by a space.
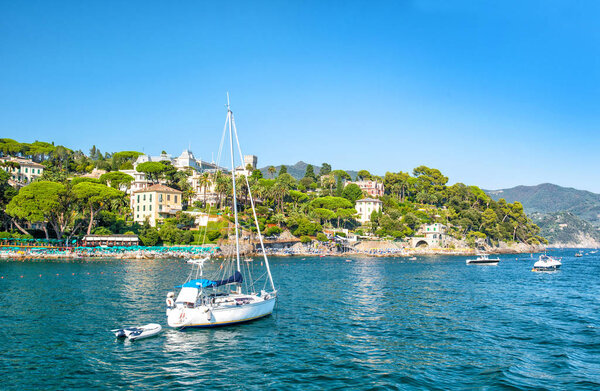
pixel 207 316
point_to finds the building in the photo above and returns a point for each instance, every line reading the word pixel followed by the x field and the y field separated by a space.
pixel 430 235
pixel 110 240
pixel 249 160
pixel 22 171
pixel 155 203
pixel 365 207
pixel 372 188
pixel 197 184
pixel 182 162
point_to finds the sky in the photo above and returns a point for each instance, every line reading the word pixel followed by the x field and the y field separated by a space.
pixel 492 93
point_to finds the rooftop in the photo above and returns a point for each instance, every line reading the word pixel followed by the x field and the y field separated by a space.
pixel 369 200
pixel 158 188
pixel 20 160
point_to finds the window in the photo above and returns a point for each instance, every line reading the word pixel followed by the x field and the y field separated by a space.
pixel 144 197
pixel 150 196
pixel 25 169
pixel 168 197
pixel 144 208
pixel 138 198
pixel 138 208
pixel 160 198
pixel 175 198
pixel 149 207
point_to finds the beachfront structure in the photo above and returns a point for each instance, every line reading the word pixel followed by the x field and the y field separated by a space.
pixel 155 203
pixel 110 240
pixel 430 235
pixel 22 171
pixel 371 188
pixel 365 207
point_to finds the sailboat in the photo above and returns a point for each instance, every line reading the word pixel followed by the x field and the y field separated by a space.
pixel 233 293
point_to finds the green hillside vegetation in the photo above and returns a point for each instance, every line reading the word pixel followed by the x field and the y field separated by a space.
pixel 299 169
pixel 549 198
pixel 469 212
pixel 69 205
pixel 565 227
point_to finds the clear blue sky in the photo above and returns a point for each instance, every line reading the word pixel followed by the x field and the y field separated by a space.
pixel 493 93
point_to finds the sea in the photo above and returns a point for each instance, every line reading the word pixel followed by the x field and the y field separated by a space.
pixel 356 323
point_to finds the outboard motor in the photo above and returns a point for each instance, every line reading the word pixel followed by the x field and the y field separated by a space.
pixel 170 300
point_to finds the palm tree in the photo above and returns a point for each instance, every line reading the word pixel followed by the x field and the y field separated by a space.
pixel 272 170
pixel 204 183
pixel 222 185
pixel 328 181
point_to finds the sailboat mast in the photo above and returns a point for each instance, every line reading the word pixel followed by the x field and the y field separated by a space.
pixel 237 236
pixel 260 238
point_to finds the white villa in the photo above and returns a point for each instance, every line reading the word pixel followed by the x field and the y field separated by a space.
pixel 22 171
pixel 182 162
pixel 430 235
pixel 365 207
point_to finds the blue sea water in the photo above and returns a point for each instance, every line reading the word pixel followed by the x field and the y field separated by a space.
pixel 372 323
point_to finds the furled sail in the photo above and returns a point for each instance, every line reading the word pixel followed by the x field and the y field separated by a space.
pixel 204 283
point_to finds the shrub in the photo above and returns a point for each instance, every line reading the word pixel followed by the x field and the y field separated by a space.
pixel 101 231
pixel 150 237
pixel 321 237
pixel 305 239
pixel 213 235
pixel 273 231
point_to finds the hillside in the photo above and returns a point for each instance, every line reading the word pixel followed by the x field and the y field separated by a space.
pixel 550 198
pixel 297 170
pixel 564 229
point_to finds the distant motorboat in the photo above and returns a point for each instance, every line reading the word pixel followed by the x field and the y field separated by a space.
pixel 579 254
pixel 412 258
pixel 547 263
pixel 133 333
pixel 483 259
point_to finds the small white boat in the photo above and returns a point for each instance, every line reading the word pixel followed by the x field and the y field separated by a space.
pixel 412 258
pixel 483 259
pixel 579 254
pixel 198 261
pixel 133 333
pixel 546 263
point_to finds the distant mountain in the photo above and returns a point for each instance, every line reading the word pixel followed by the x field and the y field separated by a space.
pixel 298 170
pixel 549 198
pixel 564 229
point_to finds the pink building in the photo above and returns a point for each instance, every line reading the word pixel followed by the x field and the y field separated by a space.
pixel 372 188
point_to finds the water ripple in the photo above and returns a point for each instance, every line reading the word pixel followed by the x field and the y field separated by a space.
pixel 376 324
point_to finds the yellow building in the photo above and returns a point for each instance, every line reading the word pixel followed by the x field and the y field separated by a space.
pixel 155 203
